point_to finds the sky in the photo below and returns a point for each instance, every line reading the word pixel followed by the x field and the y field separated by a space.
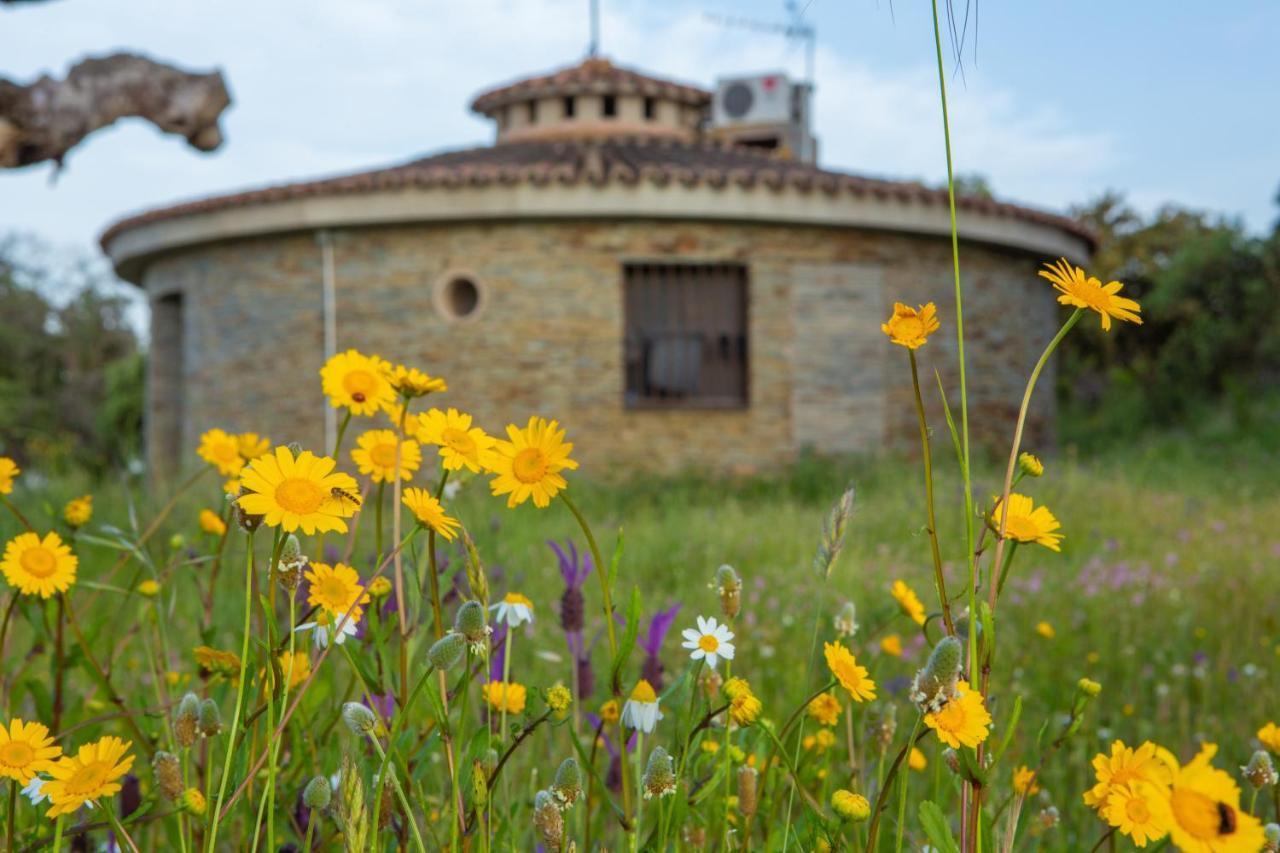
pixel 1054 102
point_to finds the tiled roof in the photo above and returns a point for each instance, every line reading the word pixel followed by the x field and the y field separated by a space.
pixel 594 76
pixel 599 162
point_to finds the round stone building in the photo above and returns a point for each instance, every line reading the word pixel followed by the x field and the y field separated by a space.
pixel 672 291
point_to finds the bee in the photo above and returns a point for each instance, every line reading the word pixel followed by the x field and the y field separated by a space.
pixel 340 495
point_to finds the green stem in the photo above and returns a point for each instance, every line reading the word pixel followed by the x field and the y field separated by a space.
pixel 57 835
pixel 939 580
pixel 342 430
pixel 11 820
pixel 502 731
pixel 404 802
pixel 121 832
pixel 903 783
pixel 635 827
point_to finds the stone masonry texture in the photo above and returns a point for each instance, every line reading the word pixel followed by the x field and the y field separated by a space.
pixel 237 337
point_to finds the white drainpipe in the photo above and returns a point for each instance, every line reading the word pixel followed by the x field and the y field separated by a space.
pixel 325 240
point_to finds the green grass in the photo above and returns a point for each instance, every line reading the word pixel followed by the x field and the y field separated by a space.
pixel 1164 592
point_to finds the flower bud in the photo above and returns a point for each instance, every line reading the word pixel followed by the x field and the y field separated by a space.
pixel 186 723
pixel 295 447
pixel 470 622
pixel 568 784
pixel 1030 464
pixel 317 794
pixel 1260 771
pixel 1089 687
pixel 359 719
pixel 935 685
pixel 479 784
pixel 730 588
pixel 850 806
pixel 193 801
pixel 176 541
pixel 447 651
pixel 747 778
pixel 149 588
pixel 846 620
pixel 291 564
pixel 659 778
pixel 547 820
pixel 559 699
pixel 379 588
pixel 1271 837
pixel 210 719
pixel 168 772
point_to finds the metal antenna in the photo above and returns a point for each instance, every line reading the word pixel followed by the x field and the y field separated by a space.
pixel 795 29
pixel 593 48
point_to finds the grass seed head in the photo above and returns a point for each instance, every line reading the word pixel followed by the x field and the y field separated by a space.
pixel 729 586
pixel 567 787
pixel 659 778
pixel 935 685
pixel 210 719
pixel 168 772
pixel 318 793
pixel 547 820
pixel 186 725
pixel 447 651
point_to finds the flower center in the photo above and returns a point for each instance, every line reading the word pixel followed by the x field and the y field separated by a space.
pixel 1091 292
pixel 227 451
pixel 1021 527
pixel 335 593
pixel 909 328
pixel 644 692
pixel 458 441
pixel 88 779
pixel 384 455
pixel 1137 810
pixel 529 466
pixel 1196 813
pixel 39 561
pixel 299 496
pixel 708 643
pixel 15 753
pixel 951 718
pixel 360 384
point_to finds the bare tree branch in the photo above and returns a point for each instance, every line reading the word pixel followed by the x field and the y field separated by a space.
pixel 45 119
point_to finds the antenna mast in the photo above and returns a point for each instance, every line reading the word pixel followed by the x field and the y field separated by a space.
pixel 593 47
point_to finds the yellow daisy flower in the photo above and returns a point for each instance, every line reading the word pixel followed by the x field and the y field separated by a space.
pixel 891 644
pixel 963 720
pixel 212 523
pixel 1028 523
pixel 221 449
pixel 1138 810
pixel 825 708
pixel 529 465
pixel 908 601
pixel 744 707
pixel 1044 629
pixel 252 445
pixel 1084 291
pixel 301 667
pixel 411 382
pixel 844 668
pixel 1205 804
pixel 916 760
pixel 1024 781
pixel 217 661
pixel 302 492
pixel 232 486
pixel 336 589
pixel 461 444
pixel 9 471
pixel 25 750
pixel 38 566
pixel 1270 737
pixel 1126 764
pixel 610 711
pixel 430 512
pixel 502 695
pixel 93 773
pixel 357 382
pixel 375 455
pixel 78 511
pixel 911 327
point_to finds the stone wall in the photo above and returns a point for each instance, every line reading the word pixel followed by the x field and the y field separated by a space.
pixel 547 336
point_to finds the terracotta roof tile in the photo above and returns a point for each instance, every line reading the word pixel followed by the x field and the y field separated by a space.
pixel 595 75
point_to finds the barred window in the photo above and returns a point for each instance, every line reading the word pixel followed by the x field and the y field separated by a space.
pixel 686 335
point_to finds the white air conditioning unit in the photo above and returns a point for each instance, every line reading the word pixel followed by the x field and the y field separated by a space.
pixel 760 99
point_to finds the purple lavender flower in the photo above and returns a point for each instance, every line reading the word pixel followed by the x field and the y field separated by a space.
pixel 652 670
pixel 384 705
pixel 574 568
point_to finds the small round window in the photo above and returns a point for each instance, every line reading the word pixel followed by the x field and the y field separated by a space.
pixel 458 296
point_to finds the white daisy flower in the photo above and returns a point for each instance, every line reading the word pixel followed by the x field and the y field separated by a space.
pixel 514 609
pixel 641 711
pixel 34 790
pixel 710 642
pixel 324 630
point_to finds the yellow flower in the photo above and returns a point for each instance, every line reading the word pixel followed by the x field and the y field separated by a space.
pixel 78 511
pixel 891 644
pixel 822 740
pixel 460 443
pixel 1139 811
pixel 25 750
pixel 911 327
pixel 559 698
pixel 357 382
pixel 376 455
pixel 710 747
pixel 1123 765
pixel 529 465
pixel 92 774
pixel 1270 737
pixel 1081 291
pixel 502 695
pixel 844 668
pixel 610 712
pixel 297 492
pixel 963 720
pixel 149 588
pixel 212 523
pixel 850 806
pixel 9 471
pixel 232 486
pixel 1205 804
pixel 744 707
pixel 252 445
pixel 916 760
pixel 908 601
pixel 1024 781
pixel 825 708
pixel 221 449
pixel 295 668
pixel 1044 629
pixel 1030 464
pixel 1027 524
pixel 336 589
pixel 411 382
pixel 216 661
pixel 430 513
pixel 379 587
pixel 193 801
pixel 39 566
